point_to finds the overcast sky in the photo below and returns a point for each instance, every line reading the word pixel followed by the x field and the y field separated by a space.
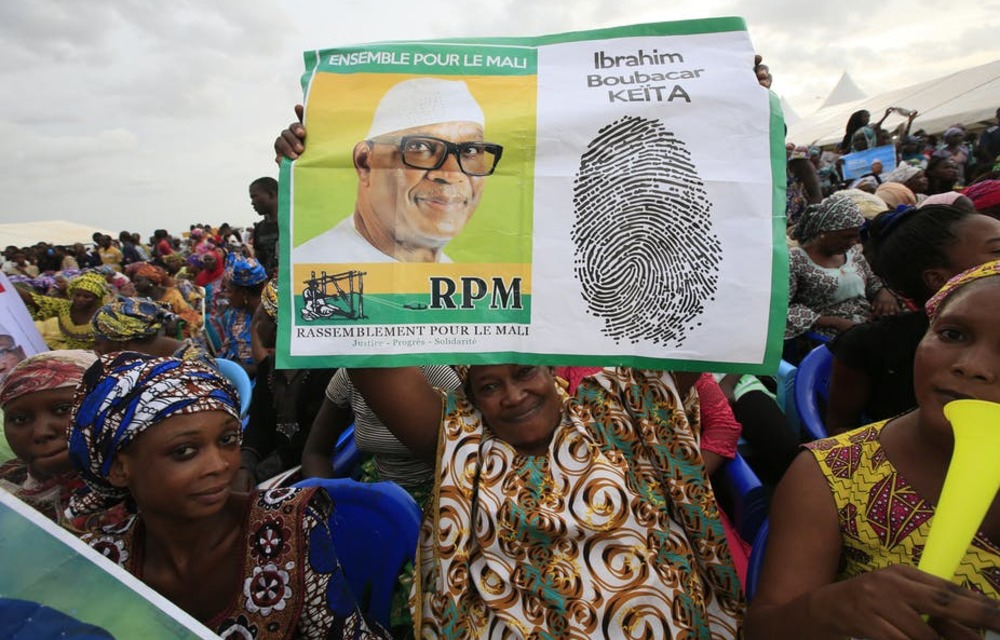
pixel 131 114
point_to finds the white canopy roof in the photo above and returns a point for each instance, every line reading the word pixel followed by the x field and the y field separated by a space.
pixel 846 90
pixel 60 232
pixel 967 97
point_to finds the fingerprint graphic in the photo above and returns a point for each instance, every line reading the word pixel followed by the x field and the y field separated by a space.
pixel 646 257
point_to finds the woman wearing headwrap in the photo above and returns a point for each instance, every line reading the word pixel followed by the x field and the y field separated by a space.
pixel 283 407
pixel 213 267
pixel 870 204
pixel 831 287
pixel 914 251
pixel 985 196
pixel 955 149
pixel 949 199
pixel 118 283
pixel 36 398
pixel 588 516
pixel 895 194
pixel 244 282
pixel 65 324
pixel 851 517
pixel 210 274
pixel 913 178
pixel 153 282
pixel 131 324
pixel 165 434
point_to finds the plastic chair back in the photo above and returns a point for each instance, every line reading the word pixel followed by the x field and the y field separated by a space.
pixel 239 379
pixel 756 559
pixel 375 528
pixel 346 455
pixel 744 494
pixel 812 382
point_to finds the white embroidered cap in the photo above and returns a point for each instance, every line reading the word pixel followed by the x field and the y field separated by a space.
pixel 424 101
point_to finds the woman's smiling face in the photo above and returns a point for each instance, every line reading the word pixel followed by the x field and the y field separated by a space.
pixel 519 403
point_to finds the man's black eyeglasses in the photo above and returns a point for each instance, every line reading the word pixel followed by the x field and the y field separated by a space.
pixel 427 152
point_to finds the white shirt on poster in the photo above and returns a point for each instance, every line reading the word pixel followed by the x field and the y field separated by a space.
pixel 342 244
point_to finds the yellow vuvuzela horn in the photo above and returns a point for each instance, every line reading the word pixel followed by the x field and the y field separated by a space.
pixel 969 488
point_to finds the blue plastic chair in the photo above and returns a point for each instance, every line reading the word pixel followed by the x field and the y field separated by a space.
pixel 346 456
pixel 375 528
pixel 239 379
pixel 756 559
pixel 744 493
pixel 786 389
pixel 812 381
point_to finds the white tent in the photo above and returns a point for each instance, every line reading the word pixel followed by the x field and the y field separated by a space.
pixel 970 97
pixel 846 90
pixel 23 234
pixel 790 116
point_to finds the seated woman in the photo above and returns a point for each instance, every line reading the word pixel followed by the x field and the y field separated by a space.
pixel 850 519
pixel 245 280
pixel 283 407
pixel 589 516
pixel 914 251
pixel 831 287
pixel 36 398
pixel 65 324
pixel 153 282
pixel 131 324
pixel 165 434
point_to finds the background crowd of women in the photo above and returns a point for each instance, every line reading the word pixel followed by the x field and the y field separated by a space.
pixel 570 502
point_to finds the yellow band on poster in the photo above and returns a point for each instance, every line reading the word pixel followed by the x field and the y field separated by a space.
pixel 397 277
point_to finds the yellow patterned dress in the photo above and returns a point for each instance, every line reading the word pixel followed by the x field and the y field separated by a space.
pixel 883 521
pixel 614 533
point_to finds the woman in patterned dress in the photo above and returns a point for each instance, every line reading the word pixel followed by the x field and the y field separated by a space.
pixel 65 323
pixel 165 434
pixel 851 517
pixel 831 287
pixel 588 516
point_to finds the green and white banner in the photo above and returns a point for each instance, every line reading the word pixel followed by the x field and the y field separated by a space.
pixel 600 197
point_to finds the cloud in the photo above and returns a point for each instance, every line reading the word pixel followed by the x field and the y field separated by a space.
pixel 130 113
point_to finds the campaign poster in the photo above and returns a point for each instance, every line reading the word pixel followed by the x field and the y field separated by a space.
pixel 19 338
pixel 608 197
pixel 859 163
pixel 55 586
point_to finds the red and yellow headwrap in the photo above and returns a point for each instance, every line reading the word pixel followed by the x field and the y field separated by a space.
pixel 154 274
pixel 986 270
pixel 45 371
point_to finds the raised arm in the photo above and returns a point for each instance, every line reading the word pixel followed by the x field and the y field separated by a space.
pixel 329 423
pixel 405 403
pixel 291 142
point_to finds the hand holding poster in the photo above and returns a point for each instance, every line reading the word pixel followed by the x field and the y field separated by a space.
pixel 598 197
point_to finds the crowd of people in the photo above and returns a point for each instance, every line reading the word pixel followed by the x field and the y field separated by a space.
pixel 558 502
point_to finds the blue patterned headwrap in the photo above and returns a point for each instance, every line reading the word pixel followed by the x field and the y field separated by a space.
pixel 244 272
pixel 121 396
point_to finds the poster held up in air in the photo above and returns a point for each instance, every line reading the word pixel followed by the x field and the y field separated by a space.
pixel 602 197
